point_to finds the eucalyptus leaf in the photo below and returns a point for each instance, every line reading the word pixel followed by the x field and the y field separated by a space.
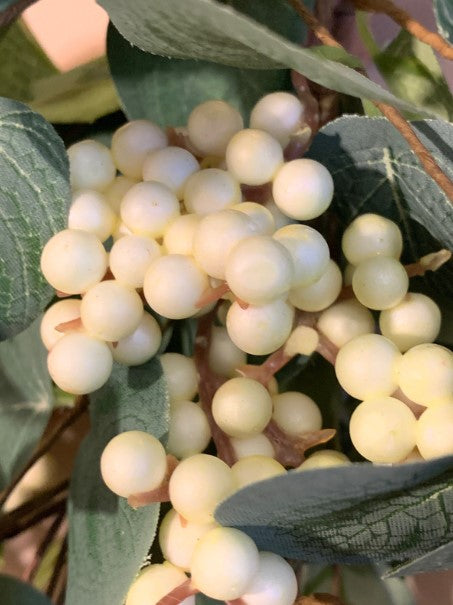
pixel 208 30
pixel 351 514
pixel 15 592
pixel 412 72
pixel 26 399
pixel 108 540
pixel 82 94
pixel 34 202
pixel 166 90
pixel 23 61
pixel 374 170
pixel 436 560
pixel 443 9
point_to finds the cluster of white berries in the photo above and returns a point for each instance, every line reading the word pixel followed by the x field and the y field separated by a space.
pixel 391 371
pixel 223 563
pixel 184 235
pixel 180 229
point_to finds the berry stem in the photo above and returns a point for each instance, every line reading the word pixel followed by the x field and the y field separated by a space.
pixel 289 450
pixel 212 295
pixel 429 262
pixel 209 382
pixel 161 493
pixel 406 21
pixel 70 326
pixel 179 594
pixel 392 114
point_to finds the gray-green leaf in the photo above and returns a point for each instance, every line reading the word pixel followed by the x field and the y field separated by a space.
pixel 26 399
pixel 23 61
pixel 352 514
pixel 34 201
pixel 166 90
pixel 443 10
pixel 4 4
pixel 108 540
pixel 209 30
pixel 83 94
pixel 15 592
pixel 374 170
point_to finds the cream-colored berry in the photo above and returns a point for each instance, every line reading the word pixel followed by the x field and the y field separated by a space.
pixel 253 156
pixel 133 462
pixel 132 142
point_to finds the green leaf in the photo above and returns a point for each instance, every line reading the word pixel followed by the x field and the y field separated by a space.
pixel 23 61
pixel 208 30
pixel 15 592
pixel 34 202
pixel 26 399
pixel 108 540
pixel 351 514
pixel 435 560
pixel 166 90
pixel 374 170
pixel 443 9
pixel 412 72
pixel 83 94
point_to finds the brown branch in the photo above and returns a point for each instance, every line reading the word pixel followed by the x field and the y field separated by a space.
pixel 406 21
pixel 70 417
pixel 422 152
pixel 35 502
pixel 25 523
pixel 60 564
pixel 10 14
pixel 209 382
pixel 392 114
pixel 321 32
pixel 290 449
pixel 31 570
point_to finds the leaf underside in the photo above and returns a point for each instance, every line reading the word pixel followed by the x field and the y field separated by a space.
pixel 34 202
pixel 374 170
pixel 26 399
pixel 108 540
pixel 443 9
pixel 212 31
pixel 353 514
